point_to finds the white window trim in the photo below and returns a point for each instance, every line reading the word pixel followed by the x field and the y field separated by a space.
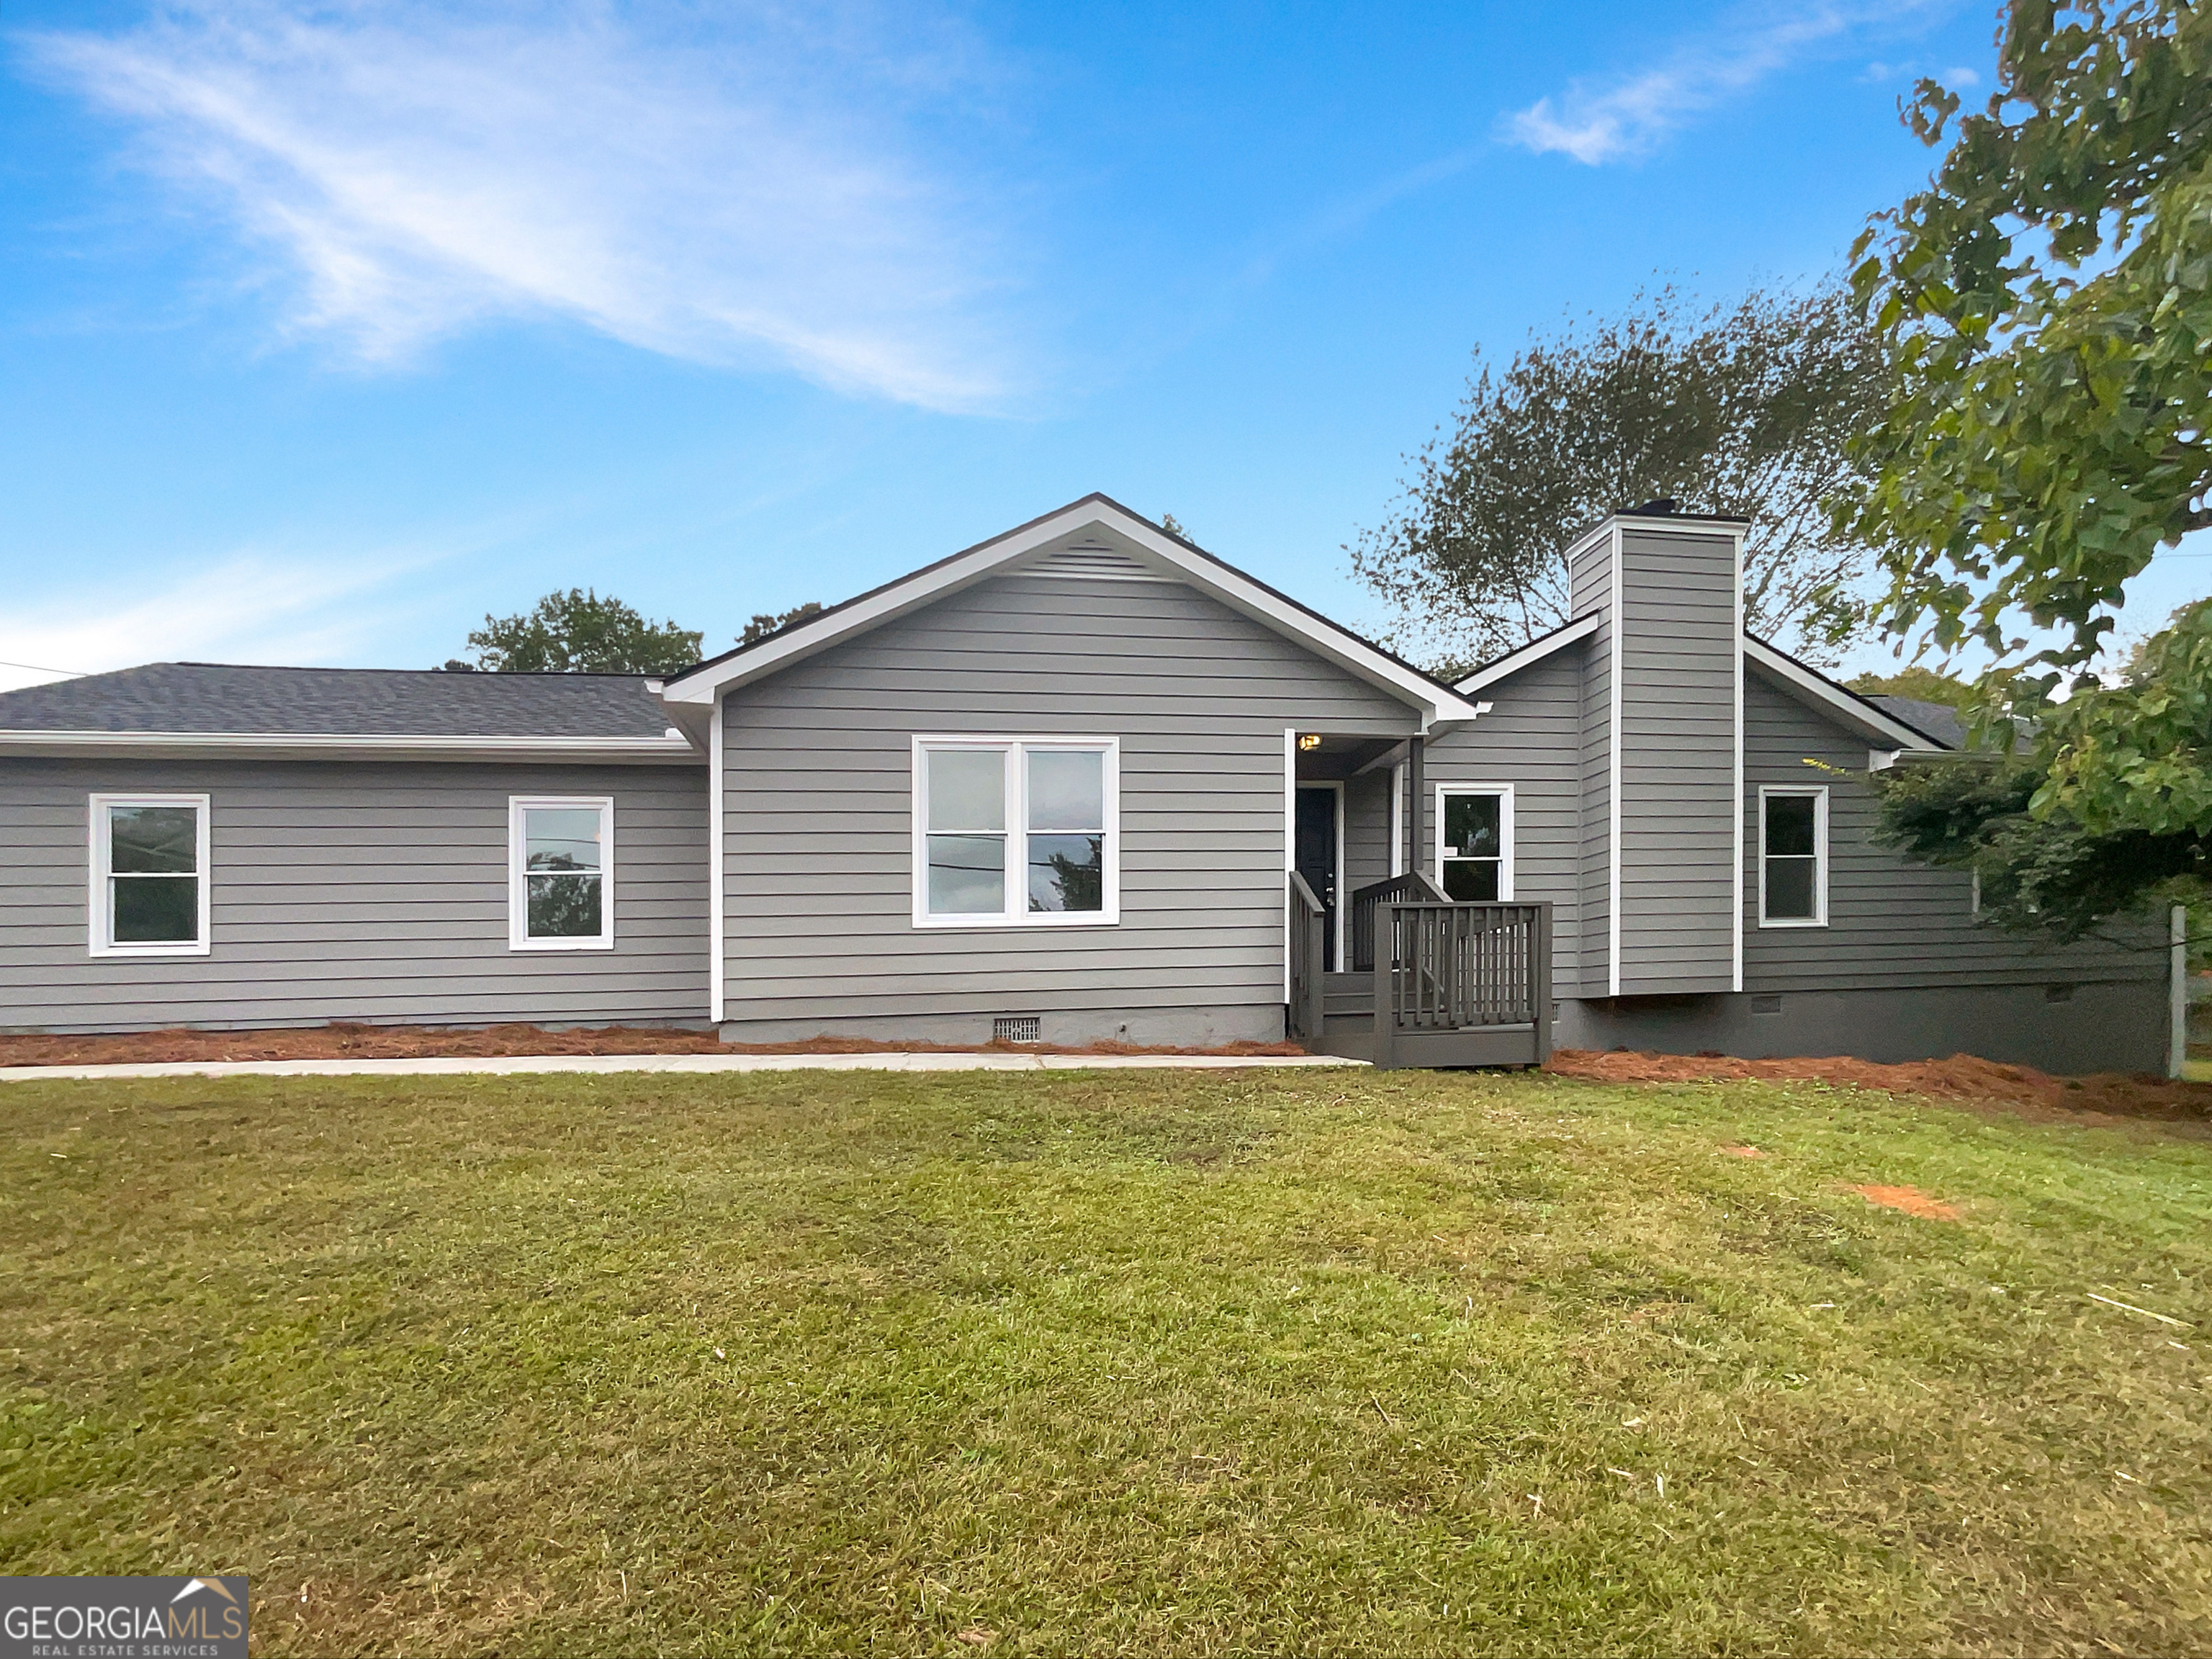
pixel 518 889
pixel 1818 791
pixel 99 916
pixel 1504 793
pixel 1017 832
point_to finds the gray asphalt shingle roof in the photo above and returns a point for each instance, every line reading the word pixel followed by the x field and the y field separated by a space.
pixel 1939 720
pixel 199 697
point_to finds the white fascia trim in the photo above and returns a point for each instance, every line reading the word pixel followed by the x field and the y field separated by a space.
pixel 1440 707
pixel 1290 843
pixel 671 746
pixel 1828 693
pixel 1534 652
pixel 1736 799
pixel 717 924
pixel 1613 776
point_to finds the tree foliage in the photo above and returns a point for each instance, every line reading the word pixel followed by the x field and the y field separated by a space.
pixel 578 632
pixel 1921 684
pixel 1744 409
pixel 2047 302
pixel 765 623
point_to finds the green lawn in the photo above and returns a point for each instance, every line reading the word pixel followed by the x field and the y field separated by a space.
pixel 1167 1362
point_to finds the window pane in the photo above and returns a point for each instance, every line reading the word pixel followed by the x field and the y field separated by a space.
pixel 967 874
pixel 564 907
pixel 561 837
pixel 1790 824
pixel 1067 873
pixel 1067 791
pixel 1472 881
pixel 967 789
pixel 1790 889
pixel 154 839
pixel 156 910
pixel 1471 826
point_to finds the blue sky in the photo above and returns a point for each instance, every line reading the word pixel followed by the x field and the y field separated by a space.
pixel 323 332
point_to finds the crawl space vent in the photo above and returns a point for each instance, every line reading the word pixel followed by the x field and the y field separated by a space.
pixel 1016 1027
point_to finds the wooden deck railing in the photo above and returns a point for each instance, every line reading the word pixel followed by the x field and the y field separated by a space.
pixel 1411 886
pixel 1444 967
pixel 1308 956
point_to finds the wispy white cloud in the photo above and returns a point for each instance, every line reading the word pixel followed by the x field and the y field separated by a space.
pixel 249 607
pixel 1627 118
pixel 750 191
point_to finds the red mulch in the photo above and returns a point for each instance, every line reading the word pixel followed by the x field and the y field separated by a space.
pixel 1962 1078
pixel 343 1041
pixel 1911 1200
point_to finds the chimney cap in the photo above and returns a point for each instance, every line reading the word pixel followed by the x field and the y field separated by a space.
pixel 1662 506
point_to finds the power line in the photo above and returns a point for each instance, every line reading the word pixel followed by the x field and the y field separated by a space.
pixel 39 668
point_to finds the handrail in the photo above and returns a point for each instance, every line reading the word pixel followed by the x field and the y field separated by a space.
pixel 1303 1012
pixel 1413 885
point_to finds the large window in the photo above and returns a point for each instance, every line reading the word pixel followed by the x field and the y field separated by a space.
pixel 1016 830
pixel 1475 842
pixel 561 873
pixel 1793 856
pixel 150 875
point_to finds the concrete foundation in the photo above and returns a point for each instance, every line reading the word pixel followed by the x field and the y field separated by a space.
pixel 2065 1028
pixel 1181 1028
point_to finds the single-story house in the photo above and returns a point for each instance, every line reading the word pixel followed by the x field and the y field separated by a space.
pixel 1082 781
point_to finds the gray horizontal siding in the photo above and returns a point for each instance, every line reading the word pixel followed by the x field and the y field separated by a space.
pixel 1532 739
pixel 1891 921
pixel 817 853
pixel 1678 763
pixel 351 890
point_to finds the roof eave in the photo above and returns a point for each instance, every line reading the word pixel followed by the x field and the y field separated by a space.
pixel 1439 705
pixel 668 749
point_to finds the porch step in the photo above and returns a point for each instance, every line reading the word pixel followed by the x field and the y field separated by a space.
pixel 1347 994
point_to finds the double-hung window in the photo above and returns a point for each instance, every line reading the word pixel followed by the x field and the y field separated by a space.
pixel 1793 856
pixel 1475 843
pixel 150 875
pixel 1020 831
pixel 561 873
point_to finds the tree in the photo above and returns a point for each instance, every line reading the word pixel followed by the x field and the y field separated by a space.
pixel 579 633
pixel 2048 303
pixel 1744 409
pixel 766 623
pixel 1921 684
pixel 1173 526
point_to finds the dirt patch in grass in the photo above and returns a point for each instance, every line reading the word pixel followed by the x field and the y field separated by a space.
pixel 1963 1079
pixel 345 1041
pixel 1911 1200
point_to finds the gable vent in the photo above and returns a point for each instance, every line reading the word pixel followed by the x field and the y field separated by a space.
pixel 1093 563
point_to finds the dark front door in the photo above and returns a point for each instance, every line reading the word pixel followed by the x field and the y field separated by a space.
pixel 1316 860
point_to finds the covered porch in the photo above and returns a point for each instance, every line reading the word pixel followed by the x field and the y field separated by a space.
pixel 1384 964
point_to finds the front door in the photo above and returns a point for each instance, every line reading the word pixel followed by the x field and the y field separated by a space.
pixel 1317 859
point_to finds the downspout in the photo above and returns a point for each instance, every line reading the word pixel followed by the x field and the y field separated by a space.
pixel 715 926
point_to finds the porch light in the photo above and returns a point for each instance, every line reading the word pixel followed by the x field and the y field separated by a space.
pixel 1310 740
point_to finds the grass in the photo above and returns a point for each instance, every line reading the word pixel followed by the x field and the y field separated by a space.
pixel 1177 1363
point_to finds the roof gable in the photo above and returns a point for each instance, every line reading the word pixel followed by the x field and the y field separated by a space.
pixel 1093 538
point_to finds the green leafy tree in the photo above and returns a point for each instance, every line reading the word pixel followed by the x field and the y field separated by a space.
pixel 579 633
pixel 2047 301
pixel 2047 304
pixel 1921 684
pixel 766 623
pixel 1745 409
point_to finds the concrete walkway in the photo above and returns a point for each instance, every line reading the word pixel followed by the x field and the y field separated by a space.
pixel 509 1064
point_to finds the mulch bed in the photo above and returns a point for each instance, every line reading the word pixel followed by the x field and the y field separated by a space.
pixel 343 1041
pixel 1962 1078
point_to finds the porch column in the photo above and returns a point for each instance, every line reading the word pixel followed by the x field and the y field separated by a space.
pixel 1418 809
